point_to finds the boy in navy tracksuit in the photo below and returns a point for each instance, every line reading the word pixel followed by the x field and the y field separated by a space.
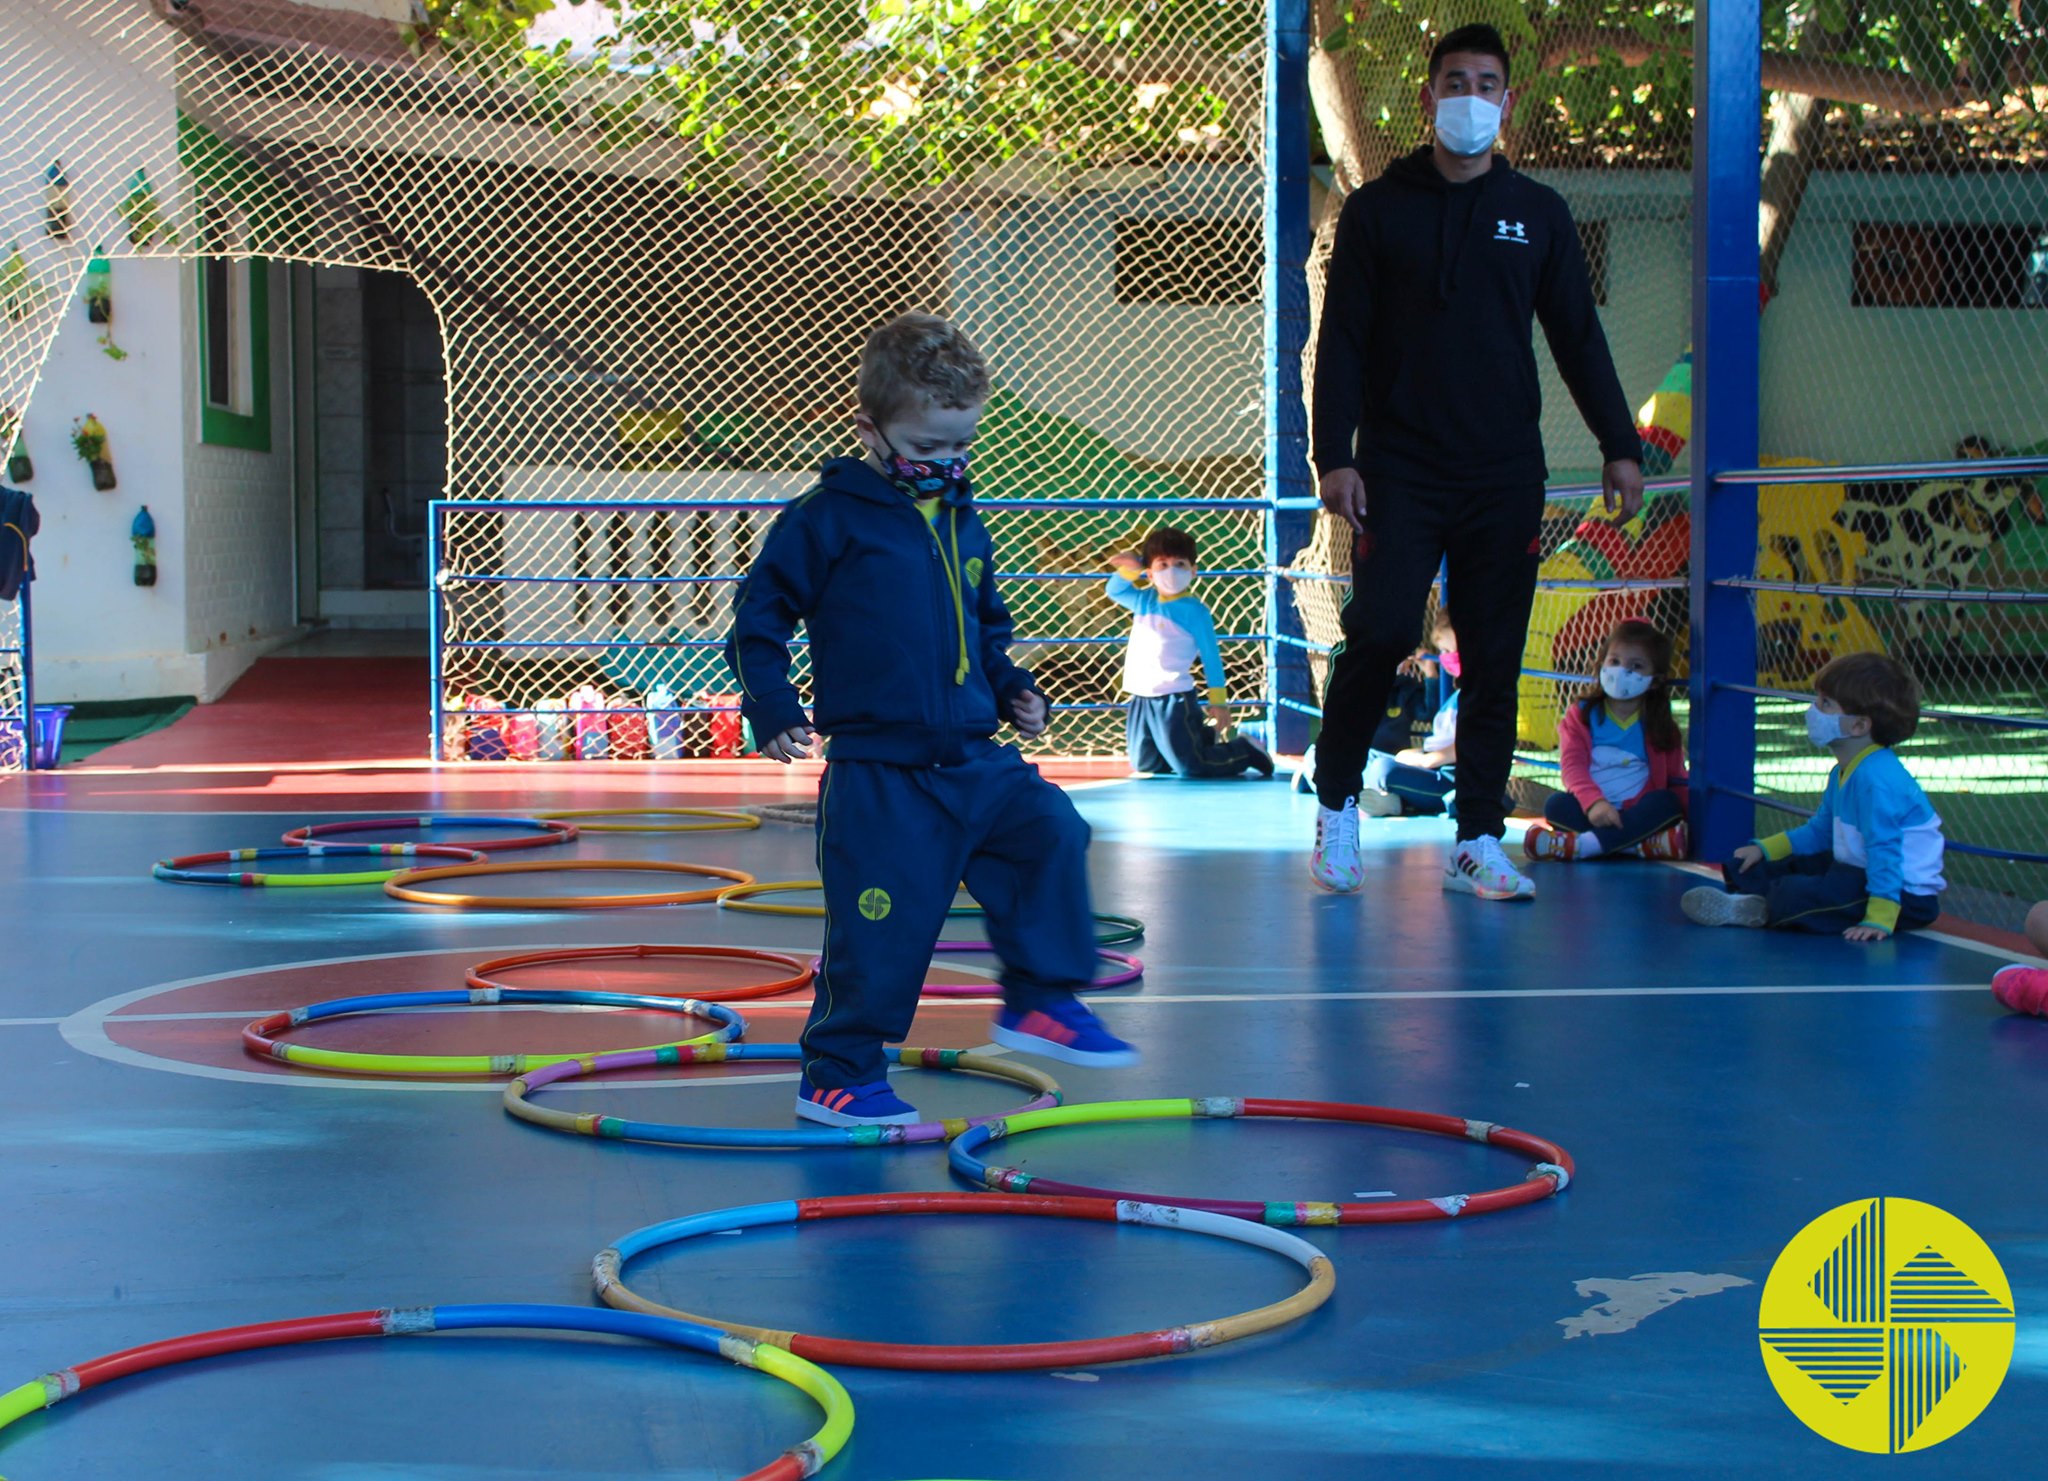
pixel 893 577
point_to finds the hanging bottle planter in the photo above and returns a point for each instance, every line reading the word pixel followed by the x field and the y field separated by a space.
pixel 57 215
pixel 99 291
pixel 147 224
pixel 99 305
pixel 142 535
pixel 89 441
pixel 19 468
pixel 18 293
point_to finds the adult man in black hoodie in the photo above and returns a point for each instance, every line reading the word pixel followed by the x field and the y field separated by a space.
pixel 1427 440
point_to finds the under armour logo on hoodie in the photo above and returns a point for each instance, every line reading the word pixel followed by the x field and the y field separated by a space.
pixel 1511 231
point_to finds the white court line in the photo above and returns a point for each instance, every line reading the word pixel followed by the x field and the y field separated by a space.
pixel 86 1030
pixel 1810 989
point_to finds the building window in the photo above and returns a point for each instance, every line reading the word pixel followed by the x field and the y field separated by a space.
pixel 1966 265
pixel 1188 261
pixel 1593 238
pixel 234 352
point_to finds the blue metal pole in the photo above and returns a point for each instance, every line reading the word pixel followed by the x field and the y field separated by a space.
pixel 1288 238
pixel 1727 175
pixel 434 708
pixel 28 677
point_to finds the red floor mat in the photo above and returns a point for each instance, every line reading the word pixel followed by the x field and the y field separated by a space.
pixel 288 710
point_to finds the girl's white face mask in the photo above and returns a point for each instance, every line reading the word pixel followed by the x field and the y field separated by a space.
pixel 1467 124
pixel 1171 580
pixel 1619 682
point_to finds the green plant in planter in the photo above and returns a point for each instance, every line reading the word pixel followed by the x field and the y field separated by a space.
pixel 99 291
pixel 89 441
pixel 20 469
pixel 147 224
pixel 20 295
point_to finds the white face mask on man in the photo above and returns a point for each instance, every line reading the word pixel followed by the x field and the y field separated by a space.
pixel 1467 124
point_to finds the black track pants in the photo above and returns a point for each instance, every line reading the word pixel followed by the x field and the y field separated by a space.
pixel 1490 540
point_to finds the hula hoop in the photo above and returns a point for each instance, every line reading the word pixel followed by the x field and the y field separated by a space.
pixel 406 885
pixel 1122 928
pixel 1551 1174
pixel 607 1271
pixel 1132 967
pixel 803 814
pixel 726 819
pixel 260 1038
pixel 479 978
pixel 183 870
pixel 544 834
pixel 1047 1094
pixel 798 1461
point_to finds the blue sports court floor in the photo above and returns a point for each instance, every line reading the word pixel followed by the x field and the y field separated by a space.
pixel 1718 1090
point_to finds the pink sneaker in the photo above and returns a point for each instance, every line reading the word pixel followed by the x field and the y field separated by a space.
pixel 2022 989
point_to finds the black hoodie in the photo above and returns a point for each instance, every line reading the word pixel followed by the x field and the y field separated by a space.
pixel 1425 348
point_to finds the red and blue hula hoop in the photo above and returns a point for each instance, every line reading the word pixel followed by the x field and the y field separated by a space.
pixel 542 832
pixel 1130 970
pixel 260 1038
pixel 607 1272
pixel 1046 1093
pixel 1550 1175
pixel 803 1459
pixel 186 870
pixel 799 975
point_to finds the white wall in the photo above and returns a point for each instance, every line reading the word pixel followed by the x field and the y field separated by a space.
pixel 239 556
pixel 1037 285
pixel 1866 385
pixel 98 635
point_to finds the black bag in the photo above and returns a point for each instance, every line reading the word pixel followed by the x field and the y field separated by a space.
pixel 1410 710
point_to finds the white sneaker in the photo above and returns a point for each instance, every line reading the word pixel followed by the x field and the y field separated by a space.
pixel 1479 866
pixel 1335 865
pixel 1373 803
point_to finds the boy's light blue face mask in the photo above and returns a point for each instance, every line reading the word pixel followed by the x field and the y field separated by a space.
pixel 1822 728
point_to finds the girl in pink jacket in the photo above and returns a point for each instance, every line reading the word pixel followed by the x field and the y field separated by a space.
pixel 1623 758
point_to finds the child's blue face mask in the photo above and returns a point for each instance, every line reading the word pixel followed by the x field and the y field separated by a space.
pixel 927 479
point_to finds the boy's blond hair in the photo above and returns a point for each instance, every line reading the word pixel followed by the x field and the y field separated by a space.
pixel 1875 685
pixel 916 359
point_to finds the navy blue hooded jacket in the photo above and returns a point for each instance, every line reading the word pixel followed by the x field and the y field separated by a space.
pixel 18 525
pixel 909 635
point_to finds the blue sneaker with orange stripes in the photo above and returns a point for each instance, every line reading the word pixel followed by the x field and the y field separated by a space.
pixel 854 1105
pixel 1063 1030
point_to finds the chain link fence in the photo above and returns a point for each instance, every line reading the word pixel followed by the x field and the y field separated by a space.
pixel 654 246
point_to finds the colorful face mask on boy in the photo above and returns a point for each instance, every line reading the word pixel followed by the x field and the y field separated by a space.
pixel 924 479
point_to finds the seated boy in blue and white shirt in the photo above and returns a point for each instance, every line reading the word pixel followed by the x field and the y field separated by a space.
pixel 1867 864
pixel 1165 728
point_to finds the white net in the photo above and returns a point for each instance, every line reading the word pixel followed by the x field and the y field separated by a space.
pixel 653 259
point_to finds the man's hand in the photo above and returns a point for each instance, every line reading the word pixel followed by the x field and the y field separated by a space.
pixel 1864 933
pixel 1749 856
pixel 1343 494
pixel 1219 716
pixel 1604 814
pixel 794 744
pixel 1027 713
pixel 1621 487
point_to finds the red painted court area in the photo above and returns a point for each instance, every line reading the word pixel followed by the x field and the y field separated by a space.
pixel 199 1023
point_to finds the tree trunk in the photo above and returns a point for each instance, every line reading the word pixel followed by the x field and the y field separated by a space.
pixel 1797 123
